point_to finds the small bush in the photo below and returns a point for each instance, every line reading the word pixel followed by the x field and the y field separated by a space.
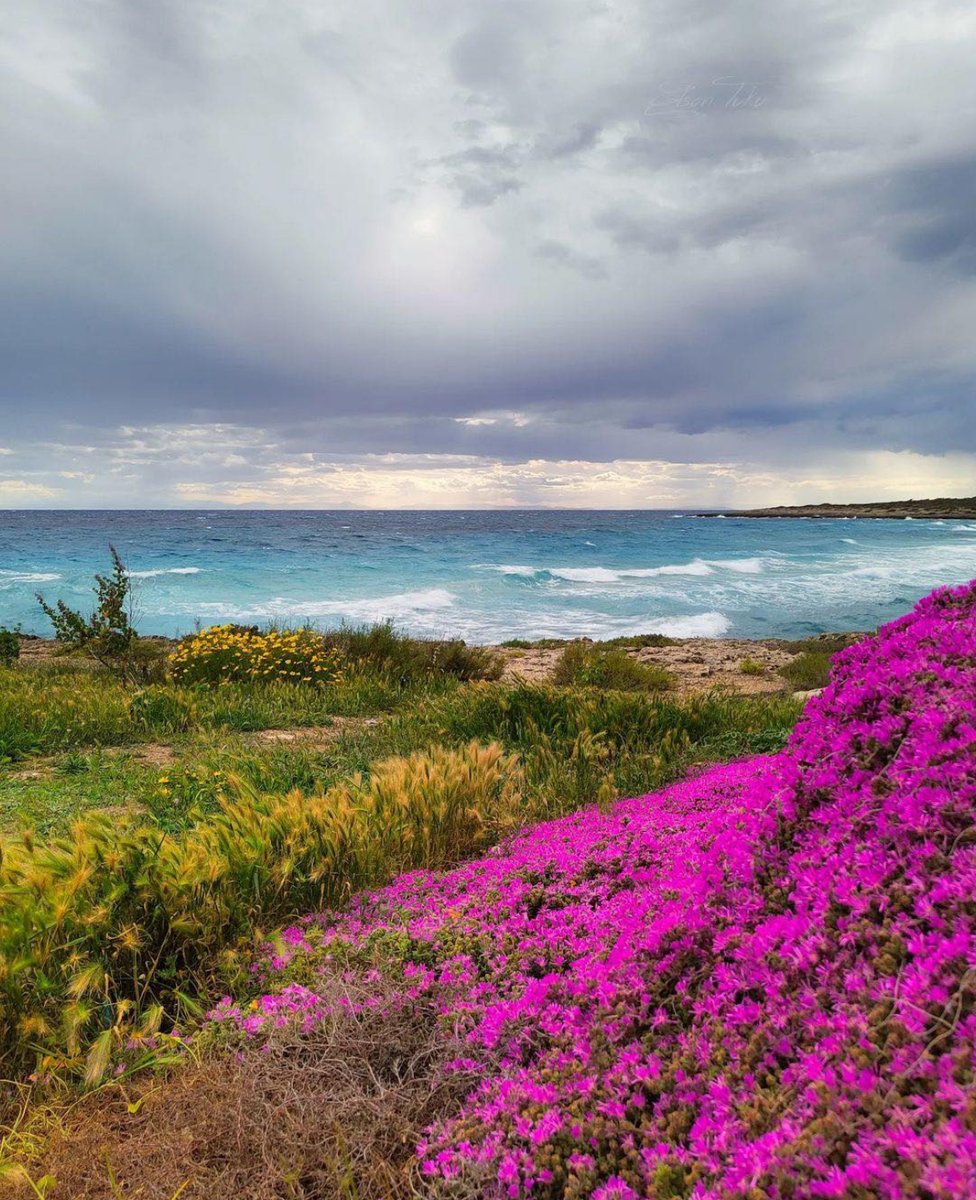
pixel 147 660
pixel 107 632
pixel 641 641
pixel 9 646
pixel 538 644
pixel 828 643
pixel 752 666
pixel 381 648
pixel 585 665
pixel 808 671
pixel 224 653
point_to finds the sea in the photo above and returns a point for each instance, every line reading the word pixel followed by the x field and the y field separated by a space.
pixel 487 576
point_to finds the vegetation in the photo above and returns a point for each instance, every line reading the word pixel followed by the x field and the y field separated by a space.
pixel 9 646
pixel 164 809
pixel 583 664
pixel 105 930
pixel 160 831
pixel 229 653
pixel 808 671
pixel 829 643
pixel 107 633
pixel 641 641
pixel 756 982
pixel 636 641
pixel 752 666
pixel 379 648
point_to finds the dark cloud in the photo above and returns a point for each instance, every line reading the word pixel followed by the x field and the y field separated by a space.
pixel 508 232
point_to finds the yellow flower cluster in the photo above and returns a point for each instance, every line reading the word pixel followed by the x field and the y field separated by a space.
pixel 226 652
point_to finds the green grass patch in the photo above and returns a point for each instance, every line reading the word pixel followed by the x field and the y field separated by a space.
pixel 808 671
pixel 582 664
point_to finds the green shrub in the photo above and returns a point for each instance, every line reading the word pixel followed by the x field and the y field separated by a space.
pixel 584 665
pixel 808 671
pixel 381 648
pixel 641 641
pixel 828 643
pixel 538 644
pixel 9 646
pixel 147 660
pixel 752 666
pixel 107 632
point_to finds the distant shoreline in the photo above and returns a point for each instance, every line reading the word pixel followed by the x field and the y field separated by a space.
pixel 921 510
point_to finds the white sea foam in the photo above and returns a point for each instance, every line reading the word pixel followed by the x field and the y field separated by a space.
pixel 742 566
pixel 585 574
pixel 28 577
pixel 401 606
pixel 698 567
pixel 964 529
pixel 164 571
pixel 850 541
pixel 514 569
pixel 704 625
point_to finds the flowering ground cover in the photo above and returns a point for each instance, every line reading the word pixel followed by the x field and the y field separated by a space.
pixel 758 983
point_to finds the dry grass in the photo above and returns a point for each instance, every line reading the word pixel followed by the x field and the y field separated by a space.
pixel 332 1114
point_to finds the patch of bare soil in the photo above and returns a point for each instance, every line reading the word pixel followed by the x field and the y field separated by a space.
pixel 152 754
pixel 38 768
pixel 312 737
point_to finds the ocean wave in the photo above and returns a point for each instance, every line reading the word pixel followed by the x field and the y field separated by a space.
pixel 164 571
pixel 743 566
pixel 697 625
pixel 10 577
pixel 584 574
pixel 850 541
pixel 697 567
pixel 397 607
pixel 514 569
pixel 964 529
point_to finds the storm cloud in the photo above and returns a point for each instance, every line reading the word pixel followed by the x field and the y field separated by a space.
pixel 469 252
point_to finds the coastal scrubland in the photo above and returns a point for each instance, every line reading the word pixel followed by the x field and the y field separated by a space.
pixel 285 913
pixel 162 812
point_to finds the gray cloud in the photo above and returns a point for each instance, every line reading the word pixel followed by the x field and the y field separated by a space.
pixel 648 231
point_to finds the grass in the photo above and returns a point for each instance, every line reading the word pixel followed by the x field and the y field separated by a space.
pixel 44 711
pixel 584 665
pixel 808 671
pixel 752 666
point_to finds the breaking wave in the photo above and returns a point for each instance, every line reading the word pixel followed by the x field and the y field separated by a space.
pixel 164 571
pixel 697 567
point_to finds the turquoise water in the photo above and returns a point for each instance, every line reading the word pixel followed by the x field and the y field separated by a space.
pixel 487 576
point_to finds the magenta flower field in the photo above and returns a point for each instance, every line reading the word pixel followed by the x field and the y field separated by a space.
pixel 758 983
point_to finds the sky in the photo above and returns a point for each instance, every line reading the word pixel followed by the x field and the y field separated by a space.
pixel 474 253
